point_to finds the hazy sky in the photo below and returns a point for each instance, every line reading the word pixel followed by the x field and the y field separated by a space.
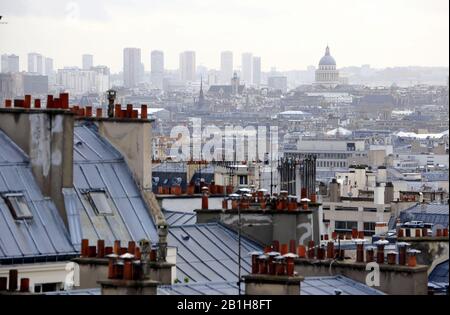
pixel 287 34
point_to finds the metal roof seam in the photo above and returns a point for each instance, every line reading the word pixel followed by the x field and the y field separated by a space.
pixel 43 223
pixel 116 206
pixel 181 242
pixel 89 217
pixel 11 231
pixel 226 253
pixel 132 206
pixel 247 241
pixel 214 258
pixel 98 138
pixel 199 259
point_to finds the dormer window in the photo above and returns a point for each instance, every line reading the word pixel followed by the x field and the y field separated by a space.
pixel 18 206
pixel 100 202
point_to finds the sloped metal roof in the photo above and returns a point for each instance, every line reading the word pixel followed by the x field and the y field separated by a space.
pixel 435 176
pixel 333 285
pixel 89 146
pixel 170 167
pixel 209 252
pixel 178 218
pixel 93 291
pixel 98 165
pixel 429 213
pixel 310 286
pixel 209 288
pixel 439 273
pixel 45 234
pixel 431 208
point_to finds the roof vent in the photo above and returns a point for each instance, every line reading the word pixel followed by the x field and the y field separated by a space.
pixel 185 237
pixel 337 292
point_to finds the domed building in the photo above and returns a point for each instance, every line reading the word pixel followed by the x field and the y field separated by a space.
pixel 326 74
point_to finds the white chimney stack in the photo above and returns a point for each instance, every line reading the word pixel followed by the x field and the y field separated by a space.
pixel 378 194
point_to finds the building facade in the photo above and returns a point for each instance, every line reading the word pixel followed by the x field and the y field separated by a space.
pixel 187 66
pixel 330 153
pixel 131 67
pixel 256 75
pixel 10 63
pixel 226 66
pixel 157 68
pixel 88 61
pixel 246 76
pixel 35 63
pixel 77 81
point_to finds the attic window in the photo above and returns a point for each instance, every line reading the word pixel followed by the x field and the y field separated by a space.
pixel 100 202
pixel 18 206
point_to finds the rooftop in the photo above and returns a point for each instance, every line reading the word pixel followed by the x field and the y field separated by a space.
pixel 42 234
pixel 208 252
pixel 436 214
pixel 331 285
pixel 178 218
pixel 99 167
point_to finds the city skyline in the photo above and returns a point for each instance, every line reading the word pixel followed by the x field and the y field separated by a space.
pixel 296 37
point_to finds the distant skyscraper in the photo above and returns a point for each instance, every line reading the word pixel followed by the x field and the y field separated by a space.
pixel 256 71
pixel 48 66
pixel 35 63
pixel 131 66
pixel 157 68
pixel 187 66
pixel 226 66
pixel 88 61
pixel 10 63
pixel 246 66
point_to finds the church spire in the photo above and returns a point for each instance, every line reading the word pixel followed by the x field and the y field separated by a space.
pixel 327 51
pixel 201 97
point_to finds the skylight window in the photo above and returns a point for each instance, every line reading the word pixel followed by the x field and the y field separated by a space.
pixel 18 206
pixel 100 202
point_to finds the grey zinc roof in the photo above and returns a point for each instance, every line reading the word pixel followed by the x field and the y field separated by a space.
pixel 435 176
pixel 428 213
pixel 98 165
pixel 93 291
pixel 208 252
pixel 439 273
pixel 177 218
pixel 432 208
pixel 335 284
pixel 170 167
pixel 209 288
pixel 43 235
pixel 310 286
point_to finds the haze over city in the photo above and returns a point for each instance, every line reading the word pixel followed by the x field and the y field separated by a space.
pixel 287 34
